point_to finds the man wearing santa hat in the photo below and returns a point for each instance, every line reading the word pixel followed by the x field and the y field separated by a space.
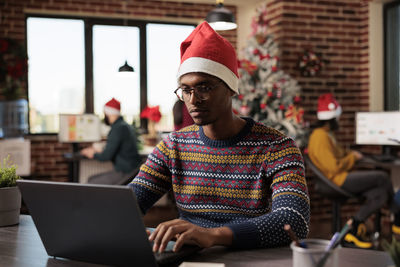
pixel 236 182
pixel 120 148
pixel 337 164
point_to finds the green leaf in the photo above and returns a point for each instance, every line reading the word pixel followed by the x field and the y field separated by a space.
pixel 8 173
pixel 393 249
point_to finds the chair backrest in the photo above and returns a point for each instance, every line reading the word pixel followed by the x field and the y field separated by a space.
pixel 325 186
pixel 129 177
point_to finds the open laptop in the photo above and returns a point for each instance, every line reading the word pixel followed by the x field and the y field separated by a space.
pixel 93 223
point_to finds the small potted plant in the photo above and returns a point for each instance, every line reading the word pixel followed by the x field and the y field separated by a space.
pixel 393 249
pixel 10 197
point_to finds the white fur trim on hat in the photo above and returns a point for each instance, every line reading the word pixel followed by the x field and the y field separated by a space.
pixel 329 114
pixel 111 111
pixel 199 64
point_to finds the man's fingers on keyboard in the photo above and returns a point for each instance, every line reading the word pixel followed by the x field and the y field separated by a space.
pixel 181 241
pixel 170 234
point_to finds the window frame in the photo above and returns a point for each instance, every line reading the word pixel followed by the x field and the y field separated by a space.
pixel 391 65
pixel 89 22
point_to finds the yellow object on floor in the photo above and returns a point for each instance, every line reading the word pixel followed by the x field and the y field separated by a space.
pixel 350 238
pixel 395 229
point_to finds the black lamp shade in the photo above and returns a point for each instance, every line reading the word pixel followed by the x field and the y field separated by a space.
pixel 126 68
pixel 221 18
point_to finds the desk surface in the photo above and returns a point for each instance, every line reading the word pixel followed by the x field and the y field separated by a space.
pixel 393 167
pixel 21 246
pixel 383 164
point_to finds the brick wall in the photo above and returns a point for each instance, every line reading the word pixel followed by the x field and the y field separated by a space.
pixel 47 160
pixel 47 154
pixel 13 12
pixel 338 30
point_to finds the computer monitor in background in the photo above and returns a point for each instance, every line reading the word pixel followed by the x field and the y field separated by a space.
pixel 378 128
pixel 76 128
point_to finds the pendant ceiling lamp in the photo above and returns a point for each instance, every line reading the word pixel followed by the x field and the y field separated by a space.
pixel 220 18
pixel 125 68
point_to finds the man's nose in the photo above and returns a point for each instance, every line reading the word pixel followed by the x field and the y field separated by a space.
pixel 194 98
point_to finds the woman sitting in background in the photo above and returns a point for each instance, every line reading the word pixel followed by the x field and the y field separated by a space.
pixel 337 163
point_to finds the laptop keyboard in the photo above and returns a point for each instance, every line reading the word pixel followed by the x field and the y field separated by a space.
pixel 169 256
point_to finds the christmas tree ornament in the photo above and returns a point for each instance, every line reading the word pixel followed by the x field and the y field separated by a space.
pixel 310 64
pixel 297 99
pixel 245 110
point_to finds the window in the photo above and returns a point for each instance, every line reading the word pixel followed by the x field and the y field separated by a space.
pixel 56 79
pixel 112 46
pixel 73 67
pixel 163 55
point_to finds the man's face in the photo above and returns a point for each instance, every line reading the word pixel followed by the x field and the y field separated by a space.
pixel 216 107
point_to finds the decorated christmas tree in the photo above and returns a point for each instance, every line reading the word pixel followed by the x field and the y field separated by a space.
pixel 267 94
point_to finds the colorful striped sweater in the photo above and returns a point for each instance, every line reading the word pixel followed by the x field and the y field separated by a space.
pixel 252 183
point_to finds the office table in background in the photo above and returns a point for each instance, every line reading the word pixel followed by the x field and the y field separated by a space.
pixel 20 245
pixel 393 168
pixel 80 167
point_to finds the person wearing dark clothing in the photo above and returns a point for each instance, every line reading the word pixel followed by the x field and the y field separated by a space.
pixel 120 149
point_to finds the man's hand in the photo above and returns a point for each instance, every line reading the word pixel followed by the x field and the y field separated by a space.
pixel 188 233
pixel 88 152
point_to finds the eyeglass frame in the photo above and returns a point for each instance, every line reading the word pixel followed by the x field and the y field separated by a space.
pixel 193 91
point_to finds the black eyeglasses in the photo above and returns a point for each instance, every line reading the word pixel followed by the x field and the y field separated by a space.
pixel 202 91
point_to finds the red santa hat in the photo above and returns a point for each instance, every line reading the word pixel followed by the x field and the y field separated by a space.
pixel 112 107
pixel 328 107
pixel 206 51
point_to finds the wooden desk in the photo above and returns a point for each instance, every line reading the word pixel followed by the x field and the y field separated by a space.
pixel 20 245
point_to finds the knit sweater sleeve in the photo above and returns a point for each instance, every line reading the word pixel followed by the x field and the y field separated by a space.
pixel 284 168
pixel 154 177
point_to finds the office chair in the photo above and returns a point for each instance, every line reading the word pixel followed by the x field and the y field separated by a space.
pixel 129 177
pixel 336 194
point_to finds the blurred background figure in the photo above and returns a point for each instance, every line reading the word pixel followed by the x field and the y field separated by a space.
pixel 182 117
pixel 121 148
pixel 337 164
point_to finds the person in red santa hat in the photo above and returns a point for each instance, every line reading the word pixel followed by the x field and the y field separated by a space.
pixel 236 182
pixel 337 165
pixel 120 148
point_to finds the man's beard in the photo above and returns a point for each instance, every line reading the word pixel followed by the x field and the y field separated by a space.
pixel 203 123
